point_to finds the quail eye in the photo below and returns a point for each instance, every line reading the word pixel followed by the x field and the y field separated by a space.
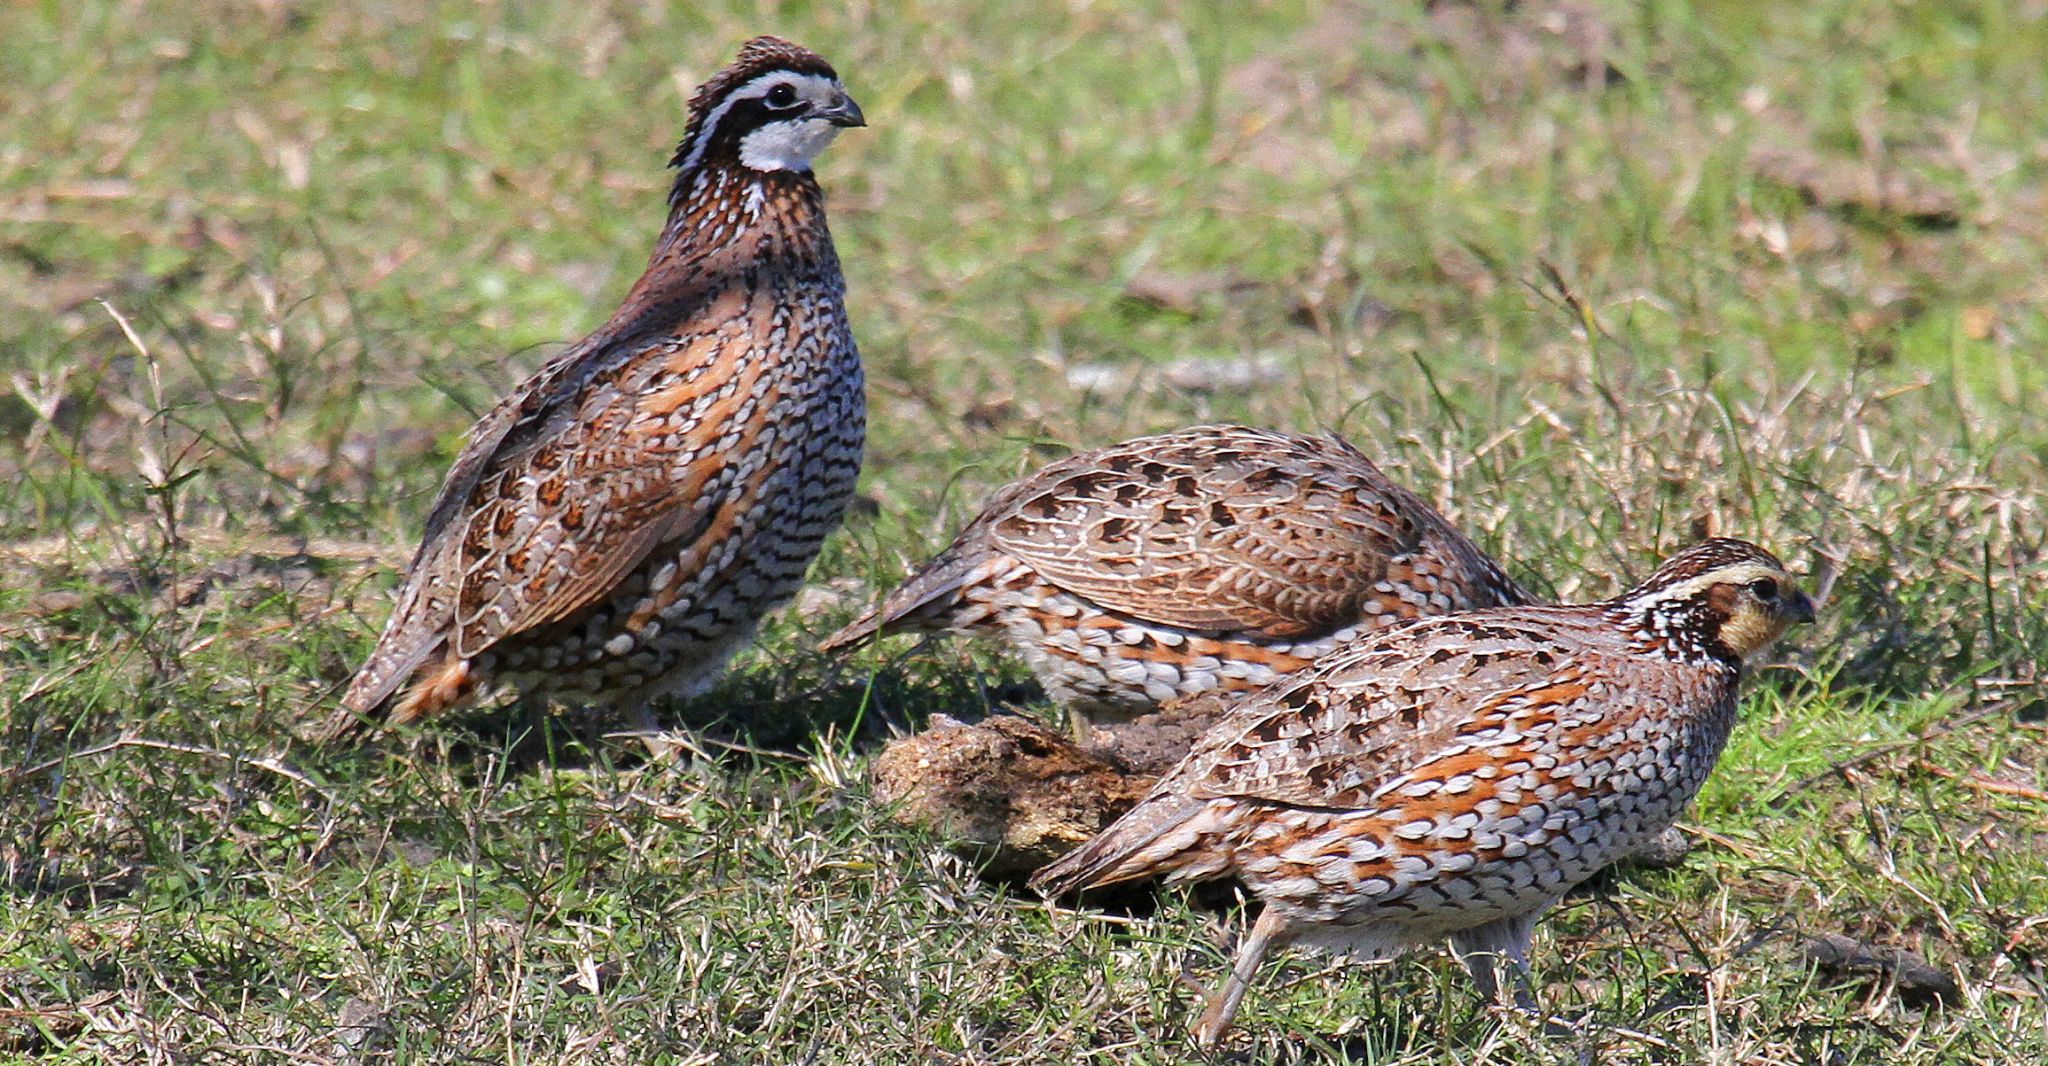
pixel 782 96
pixel 1765 589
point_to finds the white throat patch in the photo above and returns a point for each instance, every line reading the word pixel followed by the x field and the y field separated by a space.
pixel 786 145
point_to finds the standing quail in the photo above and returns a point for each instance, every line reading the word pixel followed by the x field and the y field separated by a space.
pixel 1455 777
pixel 616 527
pixel 1214 558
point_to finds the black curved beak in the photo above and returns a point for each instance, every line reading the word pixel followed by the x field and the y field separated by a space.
pixel 843 112
pixel 1799 608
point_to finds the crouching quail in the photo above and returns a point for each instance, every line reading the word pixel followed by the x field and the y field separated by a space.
pixel 1213 558
pixel 1453 778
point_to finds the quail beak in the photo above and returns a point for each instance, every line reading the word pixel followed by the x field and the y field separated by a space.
pixel 843 112
pixel 1799 608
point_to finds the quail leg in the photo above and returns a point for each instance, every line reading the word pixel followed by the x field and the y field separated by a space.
pixel 1079 727
pixel 1223 1003
pixel 664 747
pixel 1482 949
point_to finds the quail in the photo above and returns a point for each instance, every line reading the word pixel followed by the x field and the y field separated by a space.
pixel 616 527
pixel 1213 558
pixel 1453 778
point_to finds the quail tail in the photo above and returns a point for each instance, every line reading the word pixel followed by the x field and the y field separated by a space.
pixel 924 602
pixel 1142 843
pixel 855 633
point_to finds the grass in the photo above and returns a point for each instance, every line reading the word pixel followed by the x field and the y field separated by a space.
pixel 1595 277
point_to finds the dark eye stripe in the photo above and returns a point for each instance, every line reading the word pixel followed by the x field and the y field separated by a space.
pixel 740 109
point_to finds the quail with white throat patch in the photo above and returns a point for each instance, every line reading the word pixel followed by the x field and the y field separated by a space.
pixel 617 526
pixel 1456 776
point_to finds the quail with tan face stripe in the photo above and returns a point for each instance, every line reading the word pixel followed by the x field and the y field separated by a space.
pixel 1453 778
pixel 618 525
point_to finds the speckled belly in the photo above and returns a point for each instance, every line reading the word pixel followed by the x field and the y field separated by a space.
pixel 1432 866
pixel 672 624
pixel 1112 665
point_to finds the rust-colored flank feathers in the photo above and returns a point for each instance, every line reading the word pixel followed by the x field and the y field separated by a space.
pixel 618 525
pixel 1455 777
pixel 1214 558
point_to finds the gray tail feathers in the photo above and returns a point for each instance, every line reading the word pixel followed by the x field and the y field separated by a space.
pixel 341 726
pixel 380 676
pixel 1144 842
pixel 367 691
pixel 374 683
pixel 857 632
pixel 925 601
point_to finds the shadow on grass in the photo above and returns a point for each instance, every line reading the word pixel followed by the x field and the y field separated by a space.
pixel 748 719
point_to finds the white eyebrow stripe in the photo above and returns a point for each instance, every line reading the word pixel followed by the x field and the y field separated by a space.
pixel 1736 574
pixel 752 90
